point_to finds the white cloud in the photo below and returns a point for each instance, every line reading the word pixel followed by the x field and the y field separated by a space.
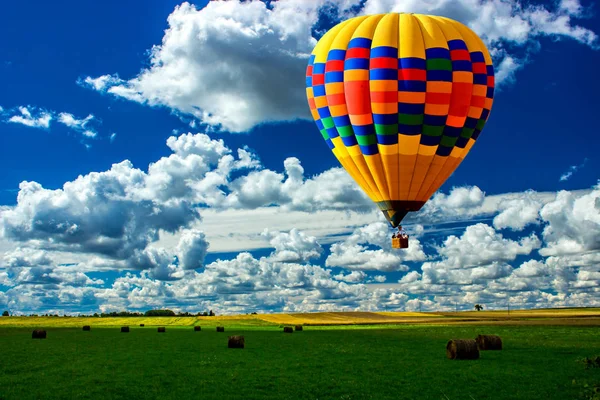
pixel 41 119
pixel 294 246
pixel 114 219
pixel 495 20
pixel 506 71
pixel 572 169
pixel 573 224
pixel 239 64
pixel 518 213
pixel 192 249
pixel 79 125
pixel 410 277
pixel 352 277
pixel 228 64
pixel 532 269
pixel 355 253
pixel 25 257
pixel 36 118
pixel 103 213
pixel 72 122
pixel 480 245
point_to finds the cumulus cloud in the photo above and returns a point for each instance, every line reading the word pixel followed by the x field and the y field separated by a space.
pixel 573 224
pixel 239 64
pixel 332 189
pixel 294 246
pixel 480 244
pixel 518 213
pixel 192 249
pixel 231 64
pixel 103 213
pixel 498 21
pixel 359 251
pixel 25 257
pixel 113 220
pixel 353 277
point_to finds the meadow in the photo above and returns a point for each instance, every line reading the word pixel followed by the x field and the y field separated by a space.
pixel 395 361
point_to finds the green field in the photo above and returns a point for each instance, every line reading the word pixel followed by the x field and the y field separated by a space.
pixel 399 362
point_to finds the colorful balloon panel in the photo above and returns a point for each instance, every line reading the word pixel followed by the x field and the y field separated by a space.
pixel 400 99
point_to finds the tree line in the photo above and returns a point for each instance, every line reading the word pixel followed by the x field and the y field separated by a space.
pixel 149 313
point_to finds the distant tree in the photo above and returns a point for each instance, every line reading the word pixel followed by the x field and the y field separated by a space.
pixel 5 314
pixel 478 307
pixel 211 313
pixel 160 313
pixel 205 314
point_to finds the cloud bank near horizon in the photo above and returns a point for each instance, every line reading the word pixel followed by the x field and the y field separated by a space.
pixel 153 229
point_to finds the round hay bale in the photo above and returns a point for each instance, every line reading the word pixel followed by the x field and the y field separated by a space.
pixel 86 328
pixel 298 327
pixel 489 342
pixel 236 342
pixel 220 329
pixel 197 328
pixel 462 349
pixel 161 329
pixel 142 325
pixel 38 334
pixel 125 329
pixel 288 329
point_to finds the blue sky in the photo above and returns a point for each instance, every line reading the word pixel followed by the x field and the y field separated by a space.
pixel 79 59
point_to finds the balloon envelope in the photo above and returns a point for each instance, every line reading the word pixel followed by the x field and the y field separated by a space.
pixel 400 99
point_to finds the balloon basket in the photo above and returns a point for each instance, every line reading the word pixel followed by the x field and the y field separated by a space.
pixel 400 243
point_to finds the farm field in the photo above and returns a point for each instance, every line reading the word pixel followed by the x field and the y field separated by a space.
pixel 404 362
pixel 565 316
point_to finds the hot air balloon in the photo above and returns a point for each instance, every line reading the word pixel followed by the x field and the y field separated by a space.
pixel 400 99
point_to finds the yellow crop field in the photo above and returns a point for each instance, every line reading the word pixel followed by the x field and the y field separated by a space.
pixel 346 318
pixel 69 322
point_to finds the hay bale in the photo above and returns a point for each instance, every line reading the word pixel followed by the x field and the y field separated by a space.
pixel 462 349
pixel 86 328
pixel 489 342
pixel 161 329
pixel 298 327
pixel 38 334
pixel 220 329
pixel 197 328
pixel 125 329
pixel 288 329
pixel 236 342
pixel 142 325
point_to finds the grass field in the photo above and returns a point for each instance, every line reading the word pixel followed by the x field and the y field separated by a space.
pixel 395 360
pixel 404 363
